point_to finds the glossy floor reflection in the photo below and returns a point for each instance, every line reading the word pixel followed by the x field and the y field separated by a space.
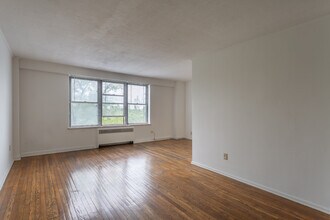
pixel 144 181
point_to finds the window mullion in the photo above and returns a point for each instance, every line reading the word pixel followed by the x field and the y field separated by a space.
pixel 70 100
pixel 99 101
pixel 125 103
pixel 147 103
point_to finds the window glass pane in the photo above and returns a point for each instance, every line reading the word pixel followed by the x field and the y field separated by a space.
pixel 112 120
pixel 113 99
pixel 113 88
pixel 84 114
pixel 137 114
pixel 83 90
pixel 137 94
pixel 113 109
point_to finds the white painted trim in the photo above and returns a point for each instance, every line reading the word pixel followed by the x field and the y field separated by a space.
pixel 2 35
pixel 17 158
pixel 63 150
pixel 54 151
pixel 265 188
pixel 106 127
pixel 179 138
pixel 151 140
pixel 4 177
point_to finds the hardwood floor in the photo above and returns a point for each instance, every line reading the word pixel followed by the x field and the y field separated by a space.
pixel 144 181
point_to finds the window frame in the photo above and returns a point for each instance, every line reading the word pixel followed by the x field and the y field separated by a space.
pixel 124 95
pixel 87 102
pixel 146 102
pixel 100 102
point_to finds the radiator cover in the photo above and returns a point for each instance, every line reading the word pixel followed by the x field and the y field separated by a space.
pixel 115 136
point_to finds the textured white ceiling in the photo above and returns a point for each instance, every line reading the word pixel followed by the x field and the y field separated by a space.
pixel 143 37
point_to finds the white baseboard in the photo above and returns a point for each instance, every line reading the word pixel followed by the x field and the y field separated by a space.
pixel 265 188
pixel 62 150
pixel 4 177
pixel 53 151
pixel 179 138
pixel 145 140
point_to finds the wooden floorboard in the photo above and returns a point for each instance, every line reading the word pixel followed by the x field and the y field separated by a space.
pixel 144 181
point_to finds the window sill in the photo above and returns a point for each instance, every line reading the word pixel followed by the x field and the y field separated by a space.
pixel 113 126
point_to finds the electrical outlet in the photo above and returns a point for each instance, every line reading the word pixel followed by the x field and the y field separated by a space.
pixel 225 156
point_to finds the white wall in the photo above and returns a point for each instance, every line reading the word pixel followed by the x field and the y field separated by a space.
pixel 44 108
pixel 6 155
pixel 188 111
pixel 266 102
pixel 179 126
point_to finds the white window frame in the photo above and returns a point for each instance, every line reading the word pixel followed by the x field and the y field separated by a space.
pixel 146 102
pixel 100 103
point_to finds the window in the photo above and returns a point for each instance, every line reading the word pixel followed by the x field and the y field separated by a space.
pixel 84 102
pixel 137 104
pixel 113 103
pixel 105 103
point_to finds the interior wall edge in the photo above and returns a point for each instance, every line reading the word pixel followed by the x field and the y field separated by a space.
pixel 6 136
pixel 16 108
pixel 3 37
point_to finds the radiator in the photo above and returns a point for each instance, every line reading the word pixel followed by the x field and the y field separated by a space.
pixel 115 136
